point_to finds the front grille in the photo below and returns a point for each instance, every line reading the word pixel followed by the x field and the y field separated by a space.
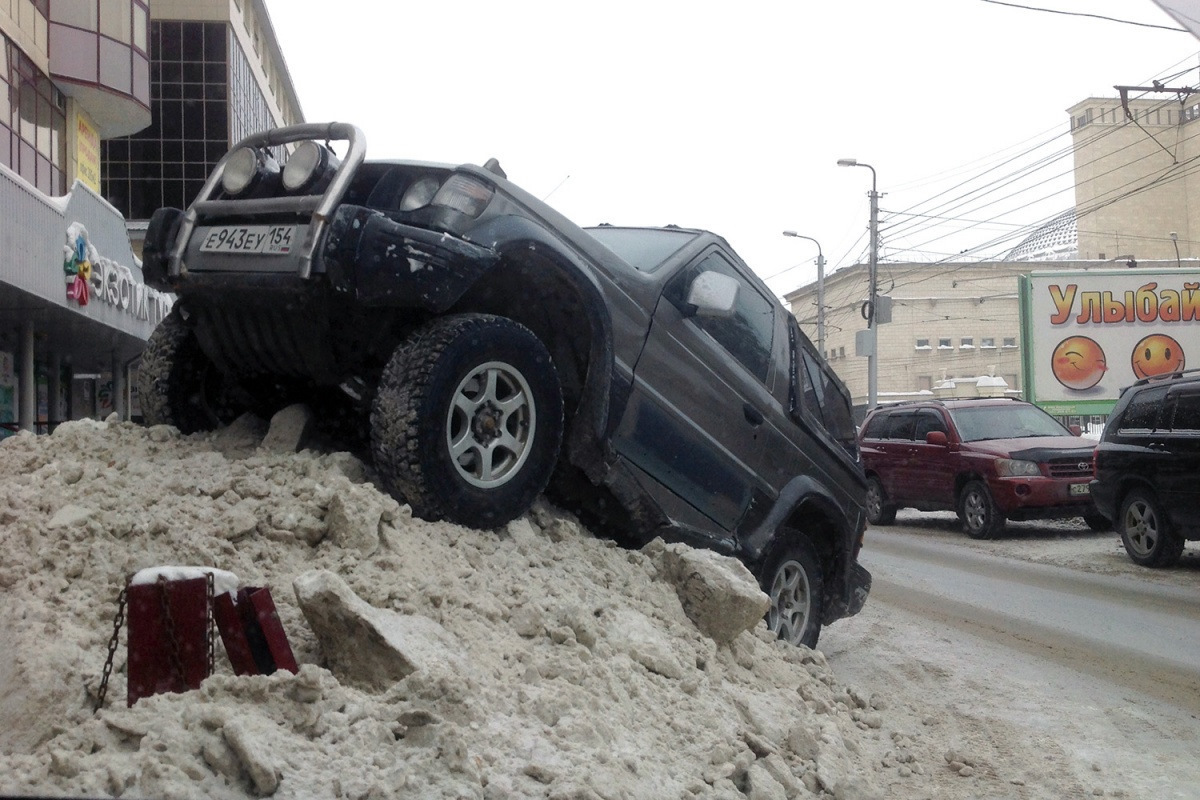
pixel 1078 467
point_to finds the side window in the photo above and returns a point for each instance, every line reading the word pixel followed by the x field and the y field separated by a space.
pixel 1142 411
pixel 900 426
pixel 1187 414
pixel 877 426
pixel 823 398
pixel 927 422
pixel 749 333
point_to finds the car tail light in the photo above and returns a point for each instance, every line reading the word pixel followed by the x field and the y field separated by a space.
pixel 464 194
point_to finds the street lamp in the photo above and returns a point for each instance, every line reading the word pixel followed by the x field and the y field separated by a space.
pixel 872 326
pixel 820 289
pixel 1175 241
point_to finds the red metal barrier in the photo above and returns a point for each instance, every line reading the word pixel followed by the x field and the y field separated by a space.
pixel 252 633
pixel 168 637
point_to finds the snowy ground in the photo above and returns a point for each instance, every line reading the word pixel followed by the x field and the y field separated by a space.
pixel 576 673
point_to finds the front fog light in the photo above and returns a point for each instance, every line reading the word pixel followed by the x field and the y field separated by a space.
pixel 247 169
pixel 308 167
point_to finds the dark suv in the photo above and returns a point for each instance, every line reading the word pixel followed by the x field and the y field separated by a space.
pixel 1148 467
pixel 488 349
pixel 989 459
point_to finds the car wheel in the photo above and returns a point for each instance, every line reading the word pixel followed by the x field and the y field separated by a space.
pixel 1146 532
pixel 980 517
pixel 793 581
pixel 467 420
pixel 179 385
pixel 1097 521
pixel 879 512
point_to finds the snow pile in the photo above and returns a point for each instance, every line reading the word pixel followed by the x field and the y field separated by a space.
pixel 566 666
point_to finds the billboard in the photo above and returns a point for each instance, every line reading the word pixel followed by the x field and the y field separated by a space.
pixel 1086 334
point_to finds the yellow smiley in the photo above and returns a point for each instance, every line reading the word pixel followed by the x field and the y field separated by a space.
pixel 1078 362
pixel 1156 354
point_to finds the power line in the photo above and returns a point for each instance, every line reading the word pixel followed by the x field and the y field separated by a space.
pixel 1081 14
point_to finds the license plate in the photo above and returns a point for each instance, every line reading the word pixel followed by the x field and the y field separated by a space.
pixel 272 240
pixel 1080 488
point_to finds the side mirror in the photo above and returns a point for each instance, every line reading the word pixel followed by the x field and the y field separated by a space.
pixel 712 295
pixel 1076 430
pixel 938 438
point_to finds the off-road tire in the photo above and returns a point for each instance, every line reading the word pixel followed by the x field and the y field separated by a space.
pixel 179 385
pixel 1146 532
pixel 1097 521
pixel 977 510
pixel 429 402
pixel 793 580
pixel 879 511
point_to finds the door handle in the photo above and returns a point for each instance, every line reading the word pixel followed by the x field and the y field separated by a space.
pixel 753 415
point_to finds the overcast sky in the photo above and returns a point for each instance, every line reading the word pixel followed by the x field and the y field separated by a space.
pixel 731 116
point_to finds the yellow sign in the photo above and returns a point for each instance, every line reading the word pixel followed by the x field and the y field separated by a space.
pixel 87 153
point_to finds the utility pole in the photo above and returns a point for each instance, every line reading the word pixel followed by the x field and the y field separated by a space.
pixel 872 295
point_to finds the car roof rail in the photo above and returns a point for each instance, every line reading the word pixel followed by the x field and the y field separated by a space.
pixel 1164 377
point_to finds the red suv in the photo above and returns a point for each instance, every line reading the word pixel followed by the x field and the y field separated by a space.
pixel 989 459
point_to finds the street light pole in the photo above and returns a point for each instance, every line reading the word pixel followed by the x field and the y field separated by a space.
pixel 820 290
pixel 872 324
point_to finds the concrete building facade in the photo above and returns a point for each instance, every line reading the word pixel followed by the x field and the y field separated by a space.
pixel 1135 178
pixel 183 79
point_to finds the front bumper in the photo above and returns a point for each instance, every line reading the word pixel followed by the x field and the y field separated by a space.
pixel 1039 498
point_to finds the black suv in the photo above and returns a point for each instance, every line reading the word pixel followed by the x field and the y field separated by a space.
pixel 1148 467
pixel 487 349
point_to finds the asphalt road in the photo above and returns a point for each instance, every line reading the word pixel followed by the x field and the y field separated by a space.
pixel 1045 658
pixel 1112 626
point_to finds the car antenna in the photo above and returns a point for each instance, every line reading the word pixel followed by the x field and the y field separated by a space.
pixel 556 188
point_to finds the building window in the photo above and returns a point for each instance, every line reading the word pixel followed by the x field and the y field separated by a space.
pixel 33 125
pixel 1011 380
pixel 923 344
pixel 167 163
pixel 1010 341
pixel 967 343
pixel 944 344
pixel 924 383
pixel 841 352
pixel 987 343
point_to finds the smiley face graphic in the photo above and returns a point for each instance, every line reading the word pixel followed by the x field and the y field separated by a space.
pixel 1157 354
pixel 1078 362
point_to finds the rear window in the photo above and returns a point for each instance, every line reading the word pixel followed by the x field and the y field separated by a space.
pixel 644 249
pixel 1142 412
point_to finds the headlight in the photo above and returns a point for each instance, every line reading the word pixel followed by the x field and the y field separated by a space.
pixel 1012 468
pixel 419 193
pixel 248 172
pixel 309 168
pixel 464 194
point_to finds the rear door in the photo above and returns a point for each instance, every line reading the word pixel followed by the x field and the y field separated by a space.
pixel 892 454
pixel 929 472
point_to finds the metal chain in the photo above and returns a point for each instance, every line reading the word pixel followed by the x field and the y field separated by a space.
pixel 211 623
pixel 112 648
pixel 169 624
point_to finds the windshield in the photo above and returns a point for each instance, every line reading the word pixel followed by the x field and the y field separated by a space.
pixel 1016 421
pixel 644 249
